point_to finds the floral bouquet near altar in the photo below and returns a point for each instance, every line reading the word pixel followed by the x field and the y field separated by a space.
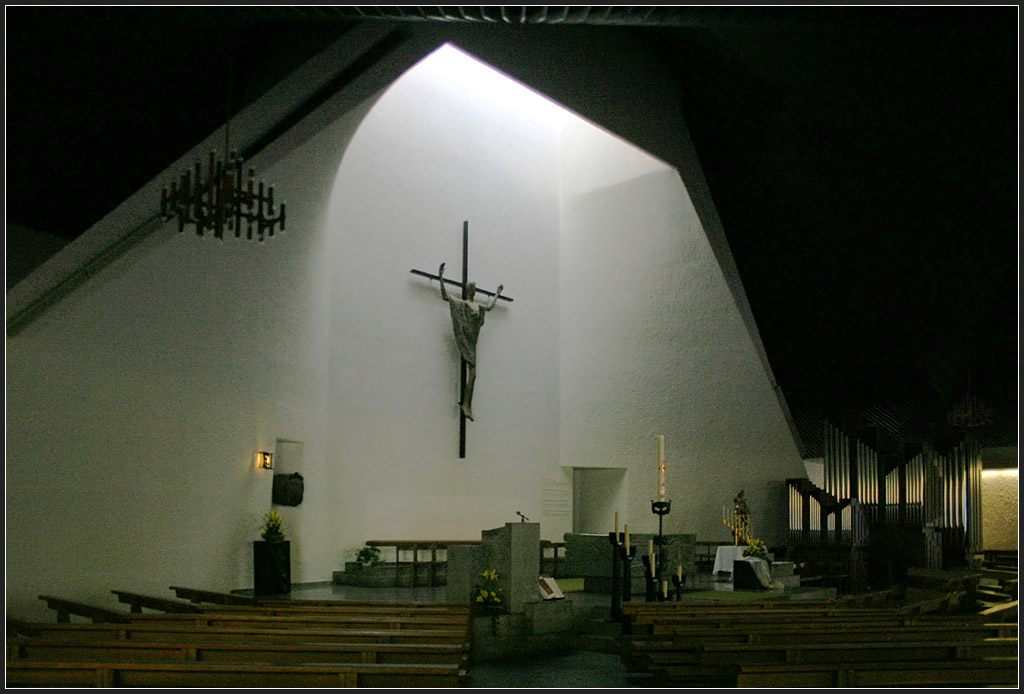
pixel 272 531
pixel 488 594
pixel 756 548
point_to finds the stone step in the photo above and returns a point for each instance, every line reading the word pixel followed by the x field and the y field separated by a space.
pixel 787 581
pixel 782 568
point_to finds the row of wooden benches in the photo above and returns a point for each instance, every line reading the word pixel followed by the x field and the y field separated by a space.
pixel 223 640
pixel 811 643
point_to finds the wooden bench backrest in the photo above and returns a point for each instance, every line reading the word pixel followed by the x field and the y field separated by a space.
pixel 198 596
pixel 198 651
pixel 65 608
pixel 318 621
pixel 868 674
pixel 73 674
pixel 138 601
pixel 458 608
pixel 313 610
pixel 156 632
pixel 686 637
pixel 882 650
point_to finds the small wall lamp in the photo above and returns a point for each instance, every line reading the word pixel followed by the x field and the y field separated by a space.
pixel 264 460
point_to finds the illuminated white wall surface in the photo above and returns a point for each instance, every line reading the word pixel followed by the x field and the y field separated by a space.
pixel 652 343
pixel 450 141
pixel 999 490
pixel 136 405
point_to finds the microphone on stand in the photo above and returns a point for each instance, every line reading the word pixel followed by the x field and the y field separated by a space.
pixel 524 518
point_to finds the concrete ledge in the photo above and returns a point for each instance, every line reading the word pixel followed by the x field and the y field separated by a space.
pixel 544 627
pixel 383 576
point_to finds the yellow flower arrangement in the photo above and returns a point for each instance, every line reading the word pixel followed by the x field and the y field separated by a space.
pixel 272 531
pixel 488 593
pixel 756 548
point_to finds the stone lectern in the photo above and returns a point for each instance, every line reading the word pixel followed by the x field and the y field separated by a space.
pixel 514 552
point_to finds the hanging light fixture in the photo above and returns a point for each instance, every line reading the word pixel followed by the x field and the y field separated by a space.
pixel 219 201
pixel 970 412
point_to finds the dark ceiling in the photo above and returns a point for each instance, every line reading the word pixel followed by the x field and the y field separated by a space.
pixel 864 161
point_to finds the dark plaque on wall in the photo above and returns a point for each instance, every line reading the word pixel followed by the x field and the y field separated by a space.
pixel 288 489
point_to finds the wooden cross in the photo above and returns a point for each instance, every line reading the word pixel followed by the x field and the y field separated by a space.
pixel 464 284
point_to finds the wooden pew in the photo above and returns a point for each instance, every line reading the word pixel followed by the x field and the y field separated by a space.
pixel 285 607
pixel 136 602
pixel 66 608
pixel 685 637
pixel 456 608
pixel 314 621
pixel 158 632
pixel 637 650
pixel 633 608
pixel 961 673
pixel 1002 611
pixel 197 595
pixel 879 650
pixel 77 674
pixel 183 651
pixel 689 667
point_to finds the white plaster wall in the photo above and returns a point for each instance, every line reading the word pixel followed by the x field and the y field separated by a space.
pixel 136 405
pixel 652 343
pixel 815 468
pixel 446 143
pixel 999 516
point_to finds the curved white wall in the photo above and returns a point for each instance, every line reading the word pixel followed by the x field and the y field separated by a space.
pixel 450 141
pixel 135 405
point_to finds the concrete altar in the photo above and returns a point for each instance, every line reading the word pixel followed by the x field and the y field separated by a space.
pixel 529 624
pixel 589 555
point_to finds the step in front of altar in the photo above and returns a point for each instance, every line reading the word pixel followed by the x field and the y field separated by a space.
pixel 785 573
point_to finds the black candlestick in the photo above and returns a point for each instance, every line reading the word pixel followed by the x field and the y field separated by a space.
pixel 621 569
pixel 650 588
pixel 660 509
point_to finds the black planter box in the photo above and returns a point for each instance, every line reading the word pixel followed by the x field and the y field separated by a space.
pixel 272 567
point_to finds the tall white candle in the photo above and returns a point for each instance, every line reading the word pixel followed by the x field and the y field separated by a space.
pixel 664 589
pixel 661 467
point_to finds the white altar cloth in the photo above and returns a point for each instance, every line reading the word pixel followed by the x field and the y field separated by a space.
pixel 725 555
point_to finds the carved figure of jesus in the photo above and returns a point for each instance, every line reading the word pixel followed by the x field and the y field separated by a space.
pixel 467 318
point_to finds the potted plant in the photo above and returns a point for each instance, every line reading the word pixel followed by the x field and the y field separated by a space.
pixel 272 574
pixel 367 557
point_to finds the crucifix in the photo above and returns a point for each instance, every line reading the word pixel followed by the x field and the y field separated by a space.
pixel 467 317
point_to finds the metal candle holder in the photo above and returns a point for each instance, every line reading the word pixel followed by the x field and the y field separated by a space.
pixel 622 588
pixel 660 509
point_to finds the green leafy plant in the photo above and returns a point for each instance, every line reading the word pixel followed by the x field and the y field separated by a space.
pixel 488 593
pixel 272 527
pixel 369 556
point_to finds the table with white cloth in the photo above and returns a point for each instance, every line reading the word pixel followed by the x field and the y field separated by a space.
pixel 725 555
